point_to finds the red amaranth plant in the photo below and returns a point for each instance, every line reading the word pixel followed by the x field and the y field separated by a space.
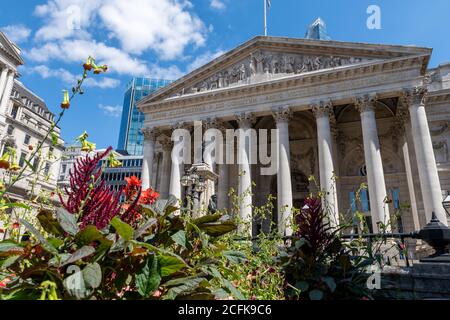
pixel 88 196
pixel 314 227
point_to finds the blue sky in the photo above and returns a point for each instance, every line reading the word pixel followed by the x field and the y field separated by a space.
pixel 167 38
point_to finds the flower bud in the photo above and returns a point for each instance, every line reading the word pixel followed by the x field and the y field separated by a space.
pixel 66 101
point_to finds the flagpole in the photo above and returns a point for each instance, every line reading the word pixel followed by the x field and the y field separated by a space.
pixel 265 18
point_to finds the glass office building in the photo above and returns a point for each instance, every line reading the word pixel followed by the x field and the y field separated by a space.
pixel 131 139
pixel 317 30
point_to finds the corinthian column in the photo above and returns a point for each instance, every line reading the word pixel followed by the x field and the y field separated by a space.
pixel 245 121
pixel 374 164
pixel 178 162
pixel 403 131
pixel 7 93
pixel 150 136
pixel 3 78
pixel 326 165
pixel 426 162
pixel 284 183
pixel 167 146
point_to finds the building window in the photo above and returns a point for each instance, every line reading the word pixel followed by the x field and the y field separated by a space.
pixel 10 130
pixel 23 156
pixel 362 205
pixel 64 168
pixel 27 139
pixel 36 163
pixel 397 207
pixel 14 111
pixel 47 169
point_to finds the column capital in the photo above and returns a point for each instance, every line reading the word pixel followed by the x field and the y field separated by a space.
pixel 402 115
pixel 150 134
pixel 282 114
pixel 417 95
pixel 212 123
pixel 245 119
pixel 322 109
pixel 365 103
pixel 181 125
pixel 166 143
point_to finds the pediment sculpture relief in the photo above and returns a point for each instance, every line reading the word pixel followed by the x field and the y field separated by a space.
pixel 264 65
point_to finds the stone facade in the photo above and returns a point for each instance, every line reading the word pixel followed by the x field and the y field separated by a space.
pixel 24 122
pixel 368 114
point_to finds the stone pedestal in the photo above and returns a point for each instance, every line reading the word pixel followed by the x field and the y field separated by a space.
pixel 423 281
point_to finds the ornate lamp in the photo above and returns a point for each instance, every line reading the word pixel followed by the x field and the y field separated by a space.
pixel 195 185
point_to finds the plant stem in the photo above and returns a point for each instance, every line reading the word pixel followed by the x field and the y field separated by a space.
pixel 41 143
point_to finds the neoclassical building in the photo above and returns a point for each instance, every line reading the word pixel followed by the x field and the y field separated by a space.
pixel 347 114
pixel 24 121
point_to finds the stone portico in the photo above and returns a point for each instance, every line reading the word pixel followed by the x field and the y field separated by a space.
pixel 347 114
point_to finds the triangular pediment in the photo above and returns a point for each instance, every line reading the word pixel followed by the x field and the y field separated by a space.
pixel 270 58
pixel 10 49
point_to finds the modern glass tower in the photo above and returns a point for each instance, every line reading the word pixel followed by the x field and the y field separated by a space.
pixel 317 30
pixel 130 137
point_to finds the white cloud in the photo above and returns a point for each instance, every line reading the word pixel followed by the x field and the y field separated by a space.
pixel 204 59
pixel 65 18
pixel 78 50
pixel 164 26
pixel 217 4
pixel 113 111
pixel 168 73
pixel 70 79
pixel 17 33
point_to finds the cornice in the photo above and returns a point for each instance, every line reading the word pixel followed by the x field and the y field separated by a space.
pixel 303 80
pixel 440 96
pixel 294 45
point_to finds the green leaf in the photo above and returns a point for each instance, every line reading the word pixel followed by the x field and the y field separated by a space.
pixel 235 256
pixel 187 286
pixel 330 283
pixel 88 235
pixel 79 254
pixel 208 218
pixel 169 265
pixel 142 229
pixel 9 245
pixel 74 283
pixel 16 205
pixel 180 238
pixel 122 228
pixel 316 294
pixel 216 229
pixel 54 138
pixel 148 278
pixel 67 221
pixel 45 244
pixel 300 243
pixel 172 205
pixel 81 283
pixel 56 243
pixel 303 286
pixel 49 223
pixel 8 262
pixel 92 275
pixel 29 165
pixel 235 292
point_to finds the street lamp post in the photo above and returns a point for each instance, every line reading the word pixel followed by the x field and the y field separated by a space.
pixel 196 186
